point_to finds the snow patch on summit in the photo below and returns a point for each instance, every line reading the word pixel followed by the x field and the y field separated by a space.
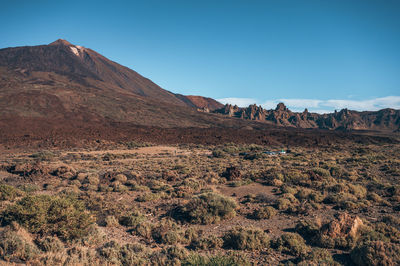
pixel 74 50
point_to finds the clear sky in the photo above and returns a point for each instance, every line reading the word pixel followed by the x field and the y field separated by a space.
pixel 321 54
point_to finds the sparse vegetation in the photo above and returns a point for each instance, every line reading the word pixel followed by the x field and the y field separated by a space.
pixel 193 207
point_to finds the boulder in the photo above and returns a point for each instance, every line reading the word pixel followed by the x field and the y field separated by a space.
pixel 344 226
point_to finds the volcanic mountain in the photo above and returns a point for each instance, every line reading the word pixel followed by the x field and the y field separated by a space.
pixel 66 81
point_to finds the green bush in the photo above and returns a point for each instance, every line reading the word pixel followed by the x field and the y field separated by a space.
pixel 216 260
pixel 208 208
pixel 264 213
pixel 206 243
pixel 9 192
pixel 376 253
pixel 50 244
pixel 308 229
pixel 246 239
pixel 144 230
pixel 292 244
pixel 131 219
pixel 166 232
pixel 319 256
pixel 148 196
pixel 287 202
pixel 64 216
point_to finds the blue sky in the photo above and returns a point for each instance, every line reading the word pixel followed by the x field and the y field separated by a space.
pixel 320 54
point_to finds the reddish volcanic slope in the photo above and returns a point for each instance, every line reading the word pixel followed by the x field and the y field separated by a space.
pixel 61 80
pixel 200 102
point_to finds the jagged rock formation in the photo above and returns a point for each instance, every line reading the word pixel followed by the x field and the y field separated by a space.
pixel 385 119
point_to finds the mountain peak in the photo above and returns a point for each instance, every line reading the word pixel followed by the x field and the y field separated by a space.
pixel 281 107
pixel 61 42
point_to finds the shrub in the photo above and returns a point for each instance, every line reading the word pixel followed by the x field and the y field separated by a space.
pixel 246 239
pixel 94 236
pixel 309 194
pixel 79 255
pixel 166 232
pixel 376 253
pixel 64 216
pixel 191 234
pixel 144 230
pixel 216 260
pixel 287 202
pixel 208 208
pixel 64 171
pixel 321 172
pixel 319 256
pixel 172 255
pixel 292 244
pixel 148 196
pixel 29 188
pixel 50 244
pixel 43 156
pixel 128 254
pixel 9 192
pixel 16 245
pixel 111 221
pixel 219 153
pixel 308 229
pixel 131 218
pixel 210 242
pixel 264 213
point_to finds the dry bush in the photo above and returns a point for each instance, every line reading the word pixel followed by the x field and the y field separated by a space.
pixel 167 232
pixel 16 245
pixel 131 219
pixel 50 244
pixel 207 208
pixel 234 259
pixel 207 243
pixel 246 239
pixel 128 254
pixel 264 213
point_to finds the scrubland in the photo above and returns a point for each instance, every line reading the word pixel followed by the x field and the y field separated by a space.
pixel 231 204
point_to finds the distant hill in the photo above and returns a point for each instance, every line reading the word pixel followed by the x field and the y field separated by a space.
pixel 385 119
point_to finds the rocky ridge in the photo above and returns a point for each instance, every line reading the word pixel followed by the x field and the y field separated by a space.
pixel 385 119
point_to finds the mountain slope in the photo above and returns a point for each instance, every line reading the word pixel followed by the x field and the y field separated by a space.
pixel 61 80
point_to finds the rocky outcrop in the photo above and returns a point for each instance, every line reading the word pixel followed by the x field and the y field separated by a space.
pixel 385 119
pixel 344 226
